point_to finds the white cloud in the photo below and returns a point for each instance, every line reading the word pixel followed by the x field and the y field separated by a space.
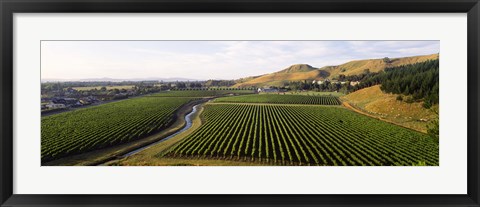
pixel 209 59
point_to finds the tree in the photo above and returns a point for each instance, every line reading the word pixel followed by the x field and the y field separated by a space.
pixel 399 98
pixel 366 71
pixel 419 81
pixel 387 60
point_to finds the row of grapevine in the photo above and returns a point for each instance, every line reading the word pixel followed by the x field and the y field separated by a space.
pixel 215 89
pixel 281 99
pixel 200 93
pixel 303 135
pixel 105 125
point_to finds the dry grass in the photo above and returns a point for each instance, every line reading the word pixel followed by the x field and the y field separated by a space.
pixel 275 79
pixel 375 65
pixel 382 105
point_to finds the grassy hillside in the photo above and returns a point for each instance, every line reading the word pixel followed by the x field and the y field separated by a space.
pixel 374 65
pixel 301 72
pixel 297 72
pixel 385 106
pixel 298 68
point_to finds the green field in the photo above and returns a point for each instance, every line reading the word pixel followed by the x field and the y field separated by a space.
pixel 201 93
pixel 302 135
pixel 105 125
pixel 87 88
pixel 281 99
pixel 308 93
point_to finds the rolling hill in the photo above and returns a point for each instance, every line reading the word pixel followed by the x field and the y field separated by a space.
pixel 374 102
pixel 301 72
pixel 297 72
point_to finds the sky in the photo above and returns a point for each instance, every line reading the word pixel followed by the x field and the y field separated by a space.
pixel 203 60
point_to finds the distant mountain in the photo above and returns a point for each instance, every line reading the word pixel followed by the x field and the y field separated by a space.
pixel 300 72
pixel 105 79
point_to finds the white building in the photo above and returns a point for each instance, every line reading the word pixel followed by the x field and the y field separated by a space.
pixel 55 106
pixel 268 90
pixel 354 83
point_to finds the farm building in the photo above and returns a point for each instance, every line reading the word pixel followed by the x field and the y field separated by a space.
pixel 268 90
pixel 55 106
pixel 65 101
pixel 354 83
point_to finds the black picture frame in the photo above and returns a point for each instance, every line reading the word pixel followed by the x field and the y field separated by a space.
pixel 9 7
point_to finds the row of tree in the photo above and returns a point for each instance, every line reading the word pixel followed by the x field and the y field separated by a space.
pixel 420 80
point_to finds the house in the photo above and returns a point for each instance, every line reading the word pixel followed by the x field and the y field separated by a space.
pixel 55 106
pixel 65 101
pixel 271 90
pixel 268 90
pixel 103 97
pixel 71 90
pixel 71 101
pixel 354 83
pixel 85 101
pixel 120 96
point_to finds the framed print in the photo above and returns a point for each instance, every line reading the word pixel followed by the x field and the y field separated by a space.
pixel 259 103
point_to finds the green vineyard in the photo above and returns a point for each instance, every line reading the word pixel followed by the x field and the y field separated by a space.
pixel 101 126
pixel 302 135
pixel 201 93
pixel 281 99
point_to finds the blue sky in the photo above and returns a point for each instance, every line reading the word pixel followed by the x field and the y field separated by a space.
pixel 208 59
